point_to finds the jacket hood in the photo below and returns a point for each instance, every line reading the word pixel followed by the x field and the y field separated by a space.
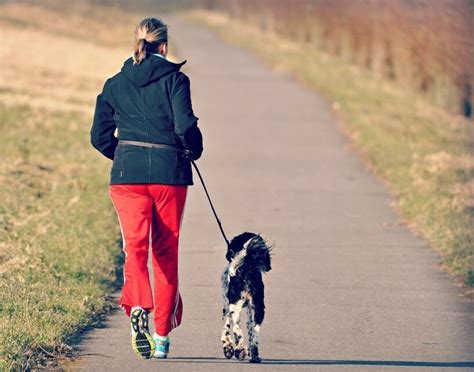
pixel 150 69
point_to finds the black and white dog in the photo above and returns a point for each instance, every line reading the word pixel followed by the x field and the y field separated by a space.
pixel 242 286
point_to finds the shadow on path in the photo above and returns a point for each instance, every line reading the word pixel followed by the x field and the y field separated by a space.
pixel 399 363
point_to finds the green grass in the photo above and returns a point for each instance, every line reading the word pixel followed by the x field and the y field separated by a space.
pixel 58 233
pixel 59 249
pixel 424 153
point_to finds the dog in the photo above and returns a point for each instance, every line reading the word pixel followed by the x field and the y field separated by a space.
pixel 242 286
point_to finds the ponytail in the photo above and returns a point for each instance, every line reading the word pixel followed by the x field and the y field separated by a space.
pixel 150 33
pixel 139 51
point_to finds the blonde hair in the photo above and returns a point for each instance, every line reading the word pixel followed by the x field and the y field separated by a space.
pixel 150 33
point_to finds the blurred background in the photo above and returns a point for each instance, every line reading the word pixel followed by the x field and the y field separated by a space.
pixel 399 74
pixel 425 45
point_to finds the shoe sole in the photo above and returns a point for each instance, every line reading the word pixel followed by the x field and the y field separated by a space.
pixel 160 355
pixel 142 342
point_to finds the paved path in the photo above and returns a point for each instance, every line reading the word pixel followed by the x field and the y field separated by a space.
pixel 351 288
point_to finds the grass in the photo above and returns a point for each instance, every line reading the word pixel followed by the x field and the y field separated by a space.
pixel 59 249
pixel 58 234
pixel 423 153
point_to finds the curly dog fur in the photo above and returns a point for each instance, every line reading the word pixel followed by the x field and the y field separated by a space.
pixel 248 256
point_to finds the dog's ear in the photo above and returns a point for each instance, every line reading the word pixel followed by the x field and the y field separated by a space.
pixel 237 244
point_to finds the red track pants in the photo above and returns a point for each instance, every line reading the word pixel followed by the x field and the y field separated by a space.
pixel 156 210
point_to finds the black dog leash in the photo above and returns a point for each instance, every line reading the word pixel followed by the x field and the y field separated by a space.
pixel 210 202
pixel 186 152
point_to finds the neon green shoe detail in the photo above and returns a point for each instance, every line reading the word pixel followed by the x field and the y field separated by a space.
pixel 142 342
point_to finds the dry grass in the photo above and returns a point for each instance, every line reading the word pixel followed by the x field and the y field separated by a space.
pixel 64 65
pixel 58 70
pixel 424 153
pixel 422 44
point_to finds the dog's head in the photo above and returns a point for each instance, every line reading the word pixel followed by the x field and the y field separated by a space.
pixel 257 255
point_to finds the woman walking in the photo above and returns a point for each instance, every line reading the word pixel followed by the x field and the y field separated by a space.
pixel 145 123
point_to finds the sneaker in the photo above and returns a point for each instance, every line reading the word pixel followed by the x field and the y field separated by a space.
pixel 162 346
pixel 142 342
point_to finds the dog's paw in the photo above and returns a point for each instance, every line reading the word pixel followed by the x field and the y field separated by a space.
pixel 254 358
pixel 228 351
pixel 232 271
pixel 240 354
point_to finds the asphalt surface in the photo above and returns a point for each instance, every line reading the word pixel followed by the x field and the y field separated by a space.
pixel 351 287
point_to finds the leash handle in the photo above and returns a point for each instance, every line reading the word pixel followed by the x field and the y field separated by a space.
pixel 210 202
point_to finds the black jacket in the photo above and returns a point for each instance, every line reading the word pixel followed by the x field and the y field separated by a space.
pixel 149 102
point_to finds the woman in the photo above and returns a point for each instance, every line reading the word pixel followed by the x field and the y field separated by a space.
pixel 145 123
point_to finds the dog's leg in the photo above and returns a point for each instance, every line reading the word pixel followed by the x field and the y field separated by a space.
pixel 252 329
pixel 235 310
pixel 256 316
pixel 227 341
pixel 228 344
